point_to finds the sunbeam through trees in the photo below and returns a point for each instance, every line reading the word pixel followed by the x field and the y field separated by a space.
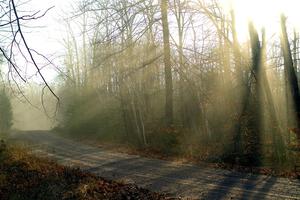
pixel 170 78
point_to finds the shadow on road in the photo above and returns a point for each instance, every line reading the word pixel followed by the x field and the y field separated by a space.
pixel 158 175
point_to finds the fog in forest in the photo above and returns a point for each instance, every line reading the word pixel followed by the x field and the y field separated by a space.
pixel 181 78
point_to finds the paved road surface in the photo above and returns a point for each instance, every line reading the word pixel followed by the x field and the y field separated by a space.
pixel 182 180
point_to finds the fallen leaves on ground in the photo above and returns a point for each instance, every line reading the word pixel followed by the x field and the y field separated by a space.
pixel 23 176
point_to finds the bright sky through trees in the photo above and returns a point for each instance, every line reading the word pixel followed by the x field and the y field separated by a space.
pixel 263 13
pixel 48 35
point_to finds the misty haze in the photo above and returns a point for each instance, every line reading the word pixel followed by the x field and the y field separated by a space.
pixel 143 99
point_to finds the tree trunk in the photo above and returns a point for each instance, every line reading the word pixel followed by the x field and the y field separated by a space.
pixel 290 74
pixel 167 62
pixel 254 120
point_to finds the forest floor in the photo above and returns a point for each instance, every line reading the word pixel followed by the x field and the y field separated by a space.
pixel 178 179
pixel 24 176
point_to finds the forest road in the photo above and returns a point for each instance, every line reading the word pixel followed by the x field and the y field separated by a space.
pixel 182 180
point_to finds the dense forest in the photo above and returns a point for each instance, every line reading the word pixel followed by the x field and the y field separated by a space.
pixel 175 77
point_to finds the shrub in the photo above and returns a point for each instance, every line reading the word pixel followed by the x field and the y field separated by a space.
pixel 5 112
pixel 166 140
pixel 87 114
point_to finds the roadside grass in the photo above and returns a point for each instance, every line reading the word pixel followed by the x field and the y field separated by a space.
pixel 25 177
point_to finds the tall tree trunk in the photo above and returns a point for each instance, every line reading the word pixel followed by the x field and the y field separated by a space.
pixel 182 68
pixel 249 115
pixel 244 91
pixel 167 62
pixel 289 70
pixel 179 15
pixel 254 121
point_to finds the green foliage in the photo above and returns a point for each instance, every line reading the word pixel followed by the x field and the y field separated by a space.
pixel 6 115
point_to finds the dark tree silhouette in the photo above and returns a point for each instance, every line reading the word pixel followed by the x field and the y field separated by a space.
pixel 289 71
pixel 167 62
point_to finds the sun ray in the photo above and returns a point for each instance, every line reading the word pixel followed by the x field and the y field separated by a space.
pixel 263 14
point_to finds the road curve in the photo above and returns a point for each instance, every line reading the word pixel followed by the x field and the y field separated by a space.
pixel 182 180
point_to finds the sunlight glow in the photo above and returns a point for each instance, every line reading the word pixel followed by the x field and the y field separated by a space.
pixel 263 13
